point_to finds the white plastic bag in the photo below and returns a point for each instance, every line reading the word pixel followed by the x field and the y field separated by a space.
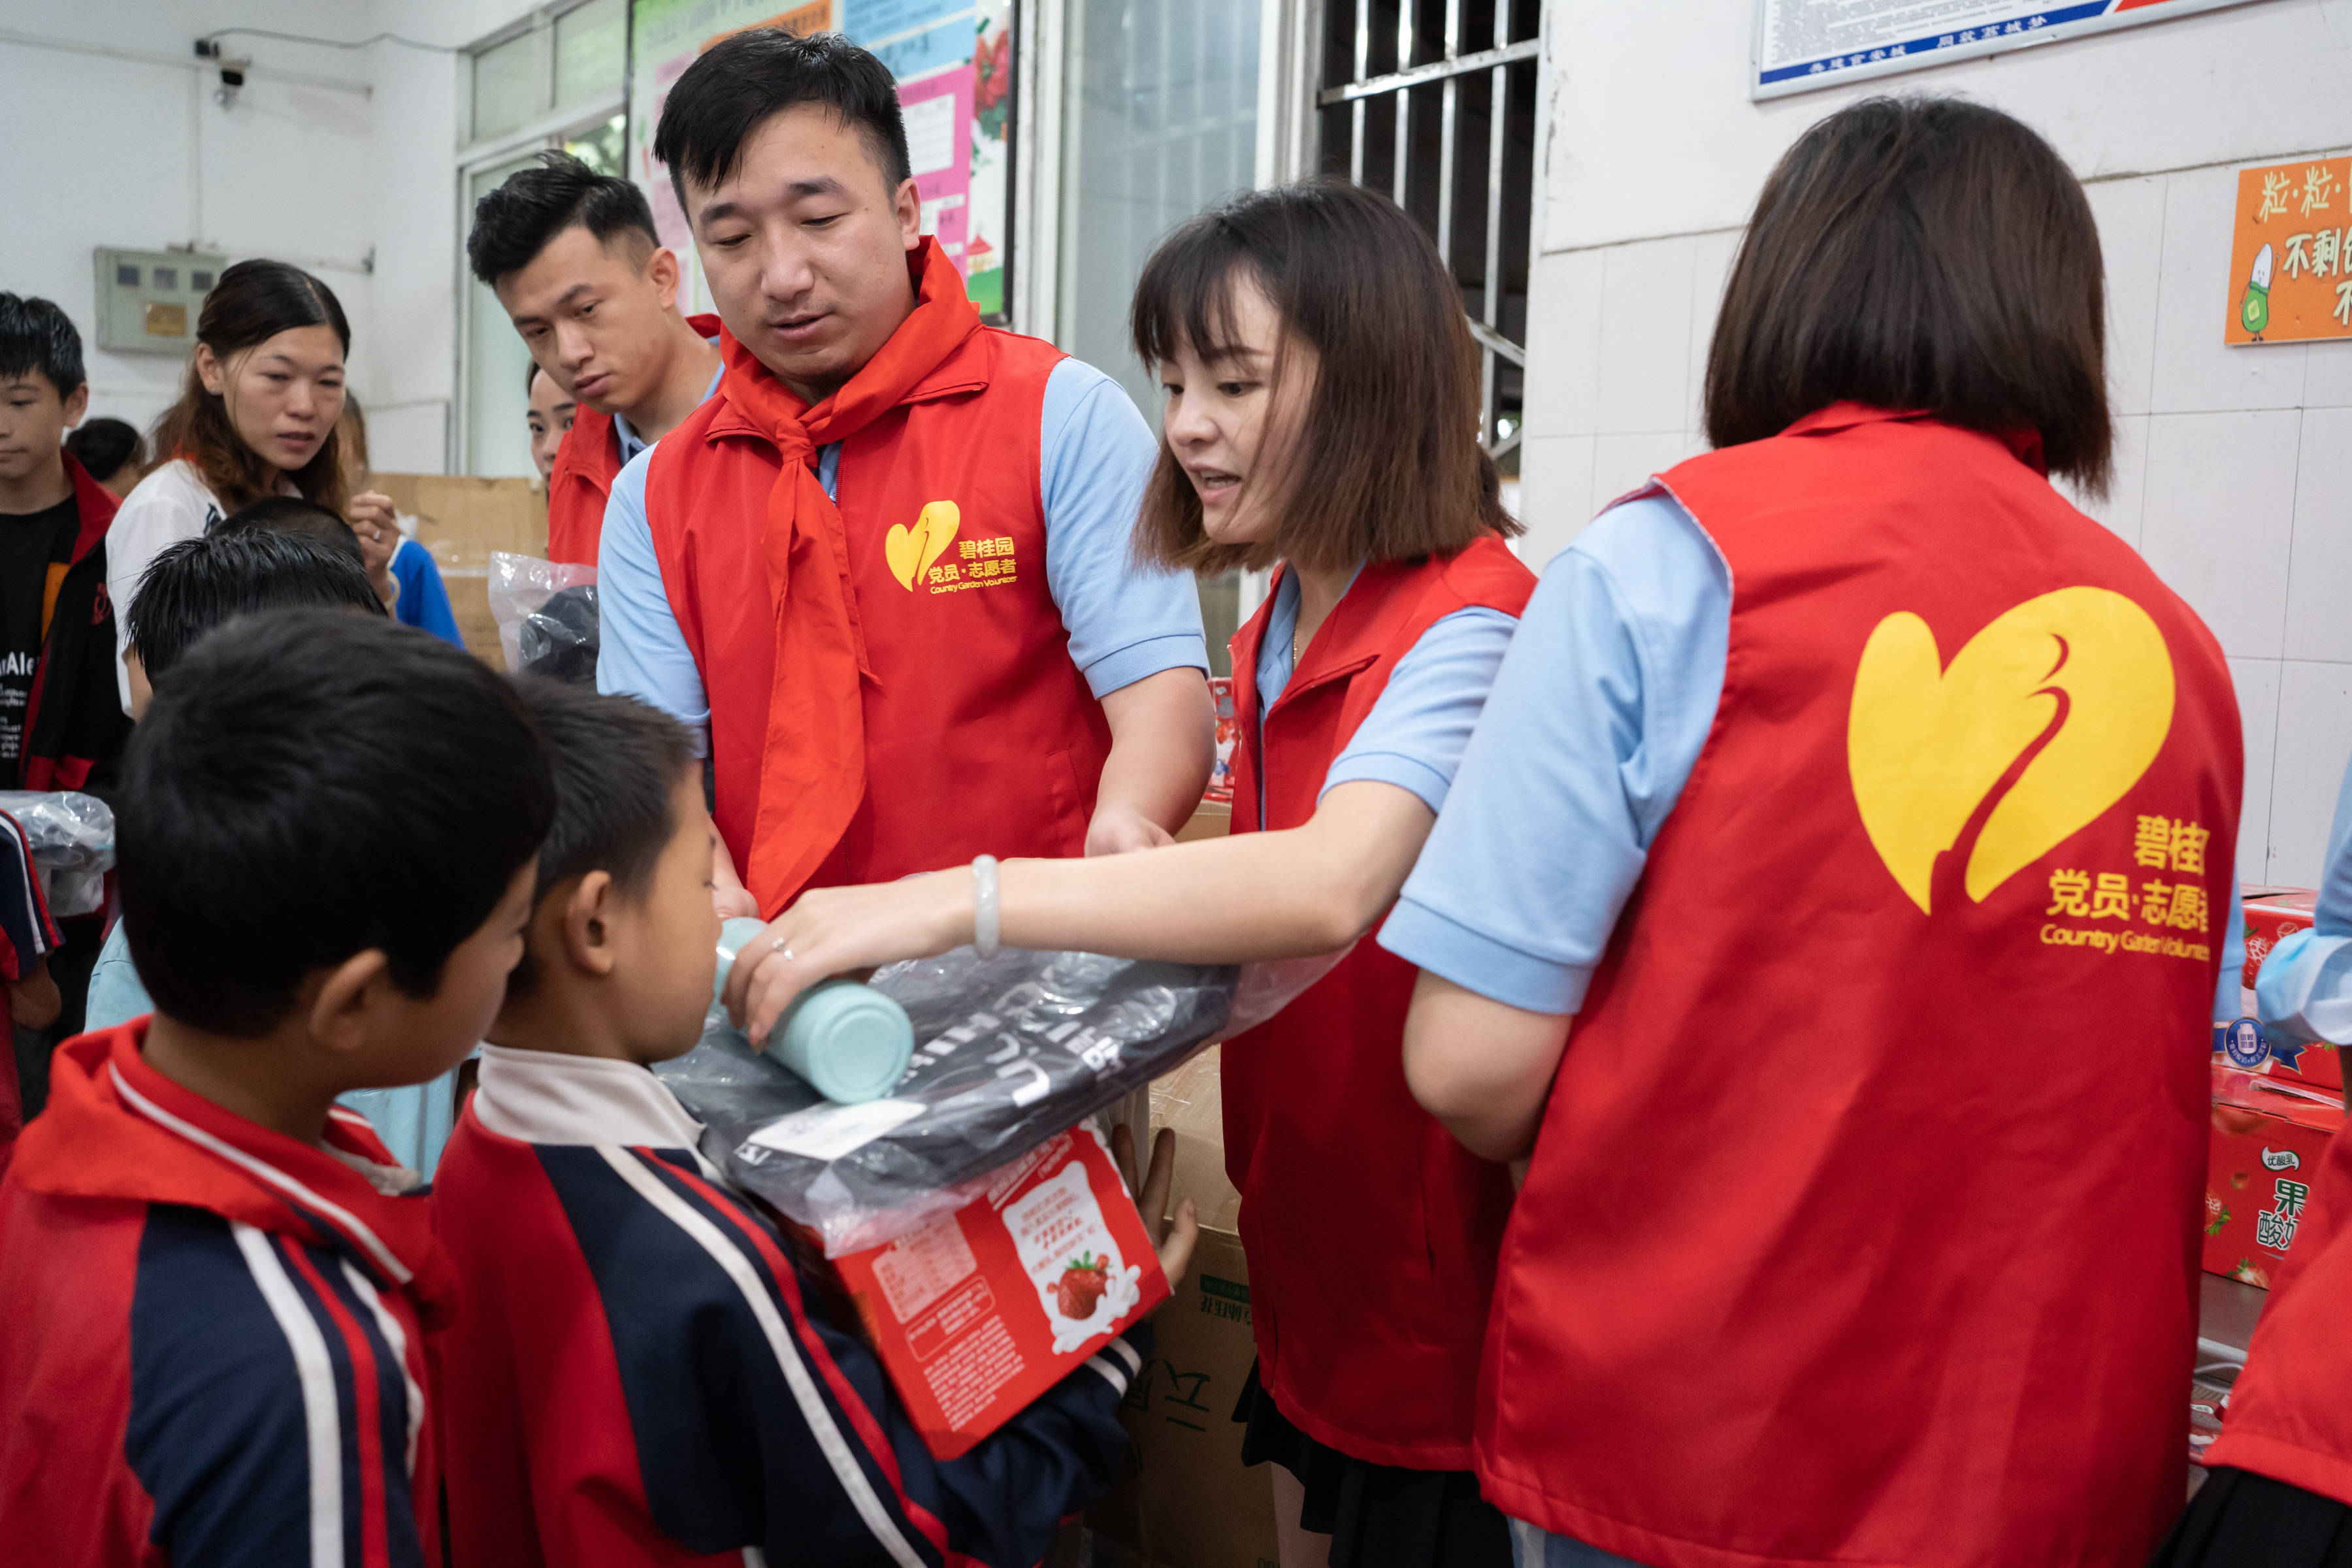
pixel 1010 1052
pixel 546 615
pixel 72 839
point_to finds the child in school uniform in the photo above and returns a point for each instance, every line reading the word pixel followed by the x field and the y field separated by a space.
pixel 1322 411
pixel 643 1373
pixel 2278 1483
pixel 1832 907
pixel 216 1285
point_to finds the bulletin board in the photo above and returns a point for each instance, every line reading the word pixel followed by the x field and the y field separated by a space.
pixel 1802 45
pixel 2290 253
pixel 953 62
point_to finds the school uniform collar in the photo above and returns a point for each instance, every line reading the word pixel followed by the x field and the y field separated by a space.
pixel 116 1129
pixel 546 1097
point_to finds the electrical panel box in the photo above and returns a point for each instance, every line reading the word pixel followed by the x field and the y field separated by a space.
pixel 148 300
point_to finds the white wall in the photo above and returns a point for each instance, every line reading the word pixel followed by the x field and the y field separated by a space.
pixel 2234 471
pixel 128 149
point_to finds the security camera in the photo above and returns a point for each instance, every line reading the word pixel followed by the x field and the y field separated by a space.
pixel 232 72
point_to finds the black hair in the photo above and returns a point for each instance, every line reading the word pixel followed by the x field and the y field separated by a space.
pixel 252 303
pixel 35 335
pixel 292 514
pixel 617 764
pixel 1924 254
pixel 729 93
pixel 103 446
pixel 195 585
pixel 316 785
pixel 513 223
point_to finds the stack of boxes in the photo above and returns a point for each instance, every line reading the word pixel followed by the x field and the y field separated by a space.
pixel 2275 1106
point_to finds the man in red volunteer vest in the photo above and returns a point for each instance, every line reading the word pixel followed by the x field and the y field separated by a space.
pixel 573 257
pixel 1869 813
pixel 886 570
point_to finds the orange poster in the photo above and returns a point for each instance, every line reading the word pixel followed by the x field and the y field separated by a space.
pixel 2290 253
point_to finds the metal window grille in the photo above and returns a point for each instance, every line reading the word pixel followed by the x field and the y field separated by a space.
pixel 1434 102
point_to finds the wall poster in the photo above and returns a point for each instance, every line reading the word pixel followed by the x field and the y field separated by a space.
pixel 1800 45
pixel 2290 253
pixel 954 60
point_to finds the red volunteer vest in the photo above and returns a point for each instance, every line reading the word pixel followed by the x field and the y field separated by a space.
pixel 980 735
pixel 581 480
pixel 2291 1414
pixel 1371 1234
pixel 1849 1235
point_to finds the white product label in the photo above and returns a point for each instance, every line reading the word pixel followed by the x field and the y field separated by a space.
pixel 829 1131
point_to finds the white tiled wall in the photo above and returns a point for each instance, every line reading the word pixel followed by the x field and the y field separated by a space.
pixel 2234 467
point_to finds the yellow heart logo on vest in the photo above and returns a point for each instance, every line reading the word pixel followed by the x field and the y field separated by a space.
pixel 911 551
pixel 2066 698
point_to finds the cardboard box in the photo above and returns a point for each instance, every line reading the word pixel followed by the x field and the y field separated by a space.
pixel 462 520
pixel 977 1313
pixel 1229 734
pixel 2272 914
pixel 2269 1137
pixel 1186 1502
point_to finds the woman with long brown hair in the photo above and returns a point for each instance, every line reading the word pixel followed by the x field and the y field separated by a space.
pixel 1322 413
pixel 256 417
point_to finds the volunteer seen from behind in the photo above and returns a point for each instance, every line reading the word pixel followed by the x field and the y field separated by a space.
pixel 886 569
pixel 573 258
pixel 1825 777
pixel 1322 411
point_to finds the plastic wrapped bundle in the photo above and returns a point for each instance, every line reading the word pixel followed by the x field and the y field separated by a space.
pixel 71 836
pixel 547 616
pixel 1010 1052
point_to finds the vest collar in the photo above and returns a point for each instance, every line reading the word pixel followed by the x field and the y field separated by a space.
pixel 2022 442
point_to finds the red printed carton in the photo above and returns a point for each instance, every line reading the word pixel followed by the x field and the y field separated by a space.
pixel 2273 914
pixel 977 1313
pixel 2267 1141
pixel 1229 734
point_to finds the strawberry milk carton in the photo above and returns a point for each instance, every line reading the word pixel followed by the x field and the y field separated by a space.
pixel 2267 1141
pixel 977 1312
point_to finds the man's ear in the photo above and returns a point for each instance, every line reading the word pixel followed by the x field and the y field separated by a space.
pixel 339 1009
pixel 907 206
pixel 588 925
pixel 662 272
pixel 76 404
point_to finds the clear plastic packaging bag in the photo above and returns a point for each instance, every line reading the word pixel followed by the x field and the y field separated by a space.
pixel 72 840
pixel 1010 1052
pixel 546 614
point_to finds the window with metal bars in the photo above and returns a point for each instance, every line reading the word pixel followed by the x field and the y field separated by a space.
pixel 1434 102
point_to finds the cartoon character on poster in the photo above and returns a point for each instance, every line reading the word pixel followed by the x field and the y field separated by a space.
pixel 2254 309
pixel 1069 1253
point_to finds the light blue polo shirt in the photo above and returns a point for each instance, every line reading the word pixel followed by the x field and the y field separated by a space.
pixel 1125 621
pixel 2304 990
pixel 1597 715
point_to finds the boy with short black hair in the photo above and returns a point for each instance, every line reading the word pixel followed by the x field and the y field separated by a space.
pixel 57 725
pixel 216 1286
pixel 113 452
pixel 648 1377
pixel 193 586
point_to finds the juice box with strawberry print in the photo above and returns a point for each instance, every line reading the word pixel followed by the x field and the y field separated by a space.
pixel 976 1313
pixel 2268 1137
pixel 1229 733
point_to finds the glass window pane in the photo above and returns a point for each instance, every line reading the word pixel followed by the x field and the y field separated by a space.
pixel 505 86
pixel 599 149
pixel 590 48
pixel 1163 120
pixel 497 427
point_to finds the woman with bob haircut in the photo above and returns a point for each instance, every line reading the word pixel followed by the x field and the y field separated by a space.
pixel 1826 773
pixel 256 417
pixel 1322 411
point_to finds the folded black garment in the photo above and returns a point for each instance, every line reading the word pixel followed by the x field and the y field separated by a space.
pixel 1009 1052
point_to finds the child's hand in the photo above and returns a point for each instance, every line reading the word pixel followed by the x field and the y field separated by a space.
pixel 34 1002
pixel 1173 1237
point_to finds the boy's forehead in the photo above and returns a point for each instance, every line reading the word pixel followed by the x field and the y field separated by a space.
pixel 27 381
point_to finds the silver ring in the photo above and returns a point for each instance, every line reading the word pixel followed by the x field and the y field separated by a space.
pixel 785 954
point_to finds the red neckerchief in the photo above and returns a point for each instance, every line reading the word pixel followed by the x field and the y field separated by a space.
pixel 812 766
